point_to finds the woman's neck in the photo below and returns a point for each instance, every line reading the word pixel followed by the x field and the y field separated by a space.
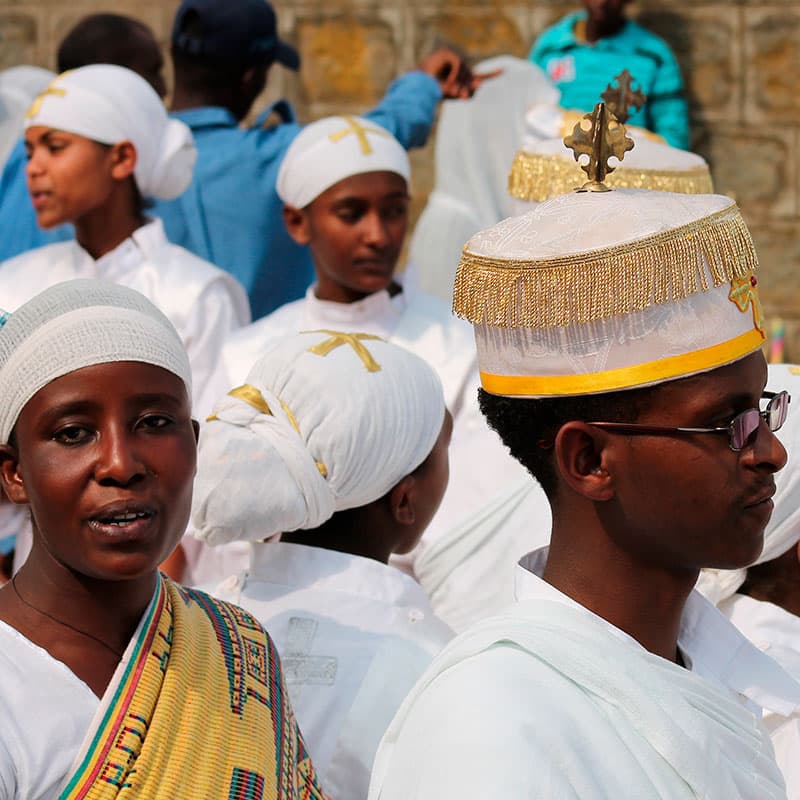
pixel 105 228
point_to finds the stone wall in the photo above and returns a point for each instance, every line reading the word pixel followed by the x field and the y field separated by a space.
pixel 741 61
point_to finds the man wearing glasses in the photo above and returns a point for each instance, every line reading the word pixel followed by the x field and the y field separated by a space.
pixel 619 338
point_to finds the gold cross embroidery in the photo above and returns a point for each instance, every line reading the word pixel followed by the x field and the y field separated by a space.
pixel 354 126
pixel 744 293
pixel 37 103
pixel 354 340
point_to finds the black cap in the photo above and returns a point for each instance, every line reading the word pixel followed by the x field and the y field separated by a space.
pixel 231 30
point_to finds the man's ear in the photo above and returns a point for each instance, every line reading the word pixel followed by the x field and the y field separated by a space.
pixel 123 163
pixel 581 455
pixel 297 224
pixel 11 475
pixel 402 501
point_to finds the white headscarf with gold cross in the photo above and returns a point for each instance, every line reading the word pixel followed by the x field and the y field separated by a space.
pixel 335 148
pixel 326 421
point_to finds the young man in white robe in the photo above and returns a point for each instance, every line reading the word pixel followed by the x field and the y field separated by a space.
pixel 763 601
pixel 345 187
pixel 337 445
pixel 619 339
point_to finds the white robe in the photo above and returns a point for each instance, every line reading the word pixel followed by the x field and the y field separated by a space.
pixel 353 635
pixel 775 632
pixel 45 711
pixel 203 303
pixel 474 526
pixel 551 701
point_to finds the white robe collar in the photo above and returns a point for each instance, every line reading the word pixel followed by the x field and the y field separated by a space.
pixel 377 313
pixel 712 647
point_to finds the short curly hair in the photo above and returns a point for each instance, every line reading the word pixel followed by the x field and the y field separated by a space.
pixel 527 426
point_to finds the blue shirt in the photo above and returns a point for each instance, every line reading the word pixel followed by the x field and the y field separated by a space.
pixel 231 214
pixel 582 71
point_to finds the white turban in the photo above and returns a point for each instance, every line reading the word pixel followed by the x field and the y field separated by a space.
pixel 332 149
pixel 326 421
pixel 783 529
pixel 111 104
pixel 78 324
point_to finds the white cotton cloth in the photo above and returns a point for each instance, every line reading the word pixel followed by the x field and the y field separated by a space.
pixel 46 711
pixel 550 700
pixel 475 144
pixel 329 150
pixel 783 529
pixel 345 420
pixel 201 301
pixel 111 104
pixel 78 324
pixel 353 635
pixel 484 520
pixel 18 87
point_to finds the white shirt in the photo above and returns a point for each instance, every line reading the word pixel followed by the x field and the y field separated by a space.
pixel 776 632
pixel 45 711
pixel 551 701
pixel 484 518
pixel 203 303
pixel 353 635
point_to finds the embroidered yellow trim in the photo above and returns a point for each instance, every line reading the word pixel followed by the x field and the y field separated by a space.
pixel 608 282
pixel 337 339
pixel 355 127
pixel 40 98
pixel 744 293
pixel 663 369
pixel 536 178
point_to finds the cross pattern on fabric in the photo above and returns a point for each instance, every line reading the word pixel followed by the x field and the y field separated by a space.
pixel 299 666
pixel 40 98
pixel 354 340
pixel 744 293
pixel 360 131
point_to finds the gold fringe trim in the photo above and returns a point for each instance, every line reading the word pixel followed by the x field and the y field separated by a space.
pixel 604 283
pixel 539 177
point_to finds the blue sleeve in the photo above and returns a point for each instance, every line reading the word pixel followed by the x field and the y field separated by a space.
pixel 667 110
pixel 408 108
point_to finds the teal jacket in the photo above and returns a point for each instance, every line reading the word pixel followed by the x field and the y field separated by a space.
pixel 582 71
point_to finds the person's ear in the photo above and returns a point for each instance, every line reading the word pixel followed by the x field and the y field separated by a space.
pixel 11 475
pixel 403 501
pixel 253 81
pixel 581 455
pixel 297 224
pixel 123 160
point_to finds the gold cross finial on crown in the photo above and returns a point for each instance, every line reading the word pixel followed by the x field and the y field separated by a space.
pixel 620 100
pixel 361 131
pixel 599 135
pixel 52 89
pixel 354 340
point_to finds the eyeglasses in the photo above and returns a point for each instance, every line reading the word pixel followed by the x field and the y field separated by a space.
pixel 741 430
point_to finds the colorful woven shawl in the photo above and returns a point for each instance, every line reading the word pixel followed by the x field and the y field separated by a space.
pixel 197 710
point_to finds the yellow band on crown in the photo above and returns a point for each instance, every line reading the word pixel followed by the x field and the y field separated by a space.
pixel 651 372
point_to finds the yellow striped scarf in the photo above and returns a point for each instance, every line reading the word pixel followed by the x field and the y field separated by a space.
pixel 197 711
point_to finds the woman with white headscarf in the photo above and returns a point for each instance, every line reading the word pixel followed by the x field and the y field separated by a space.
pixel 763 601
pixel 99 141
pixel 338 442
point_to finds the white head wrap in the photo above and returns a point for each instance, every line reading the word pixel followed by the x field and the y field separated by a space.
pixel 783 529
pixel 332 149
pixel 79 324
pixel 18 87
pixel 111 104
pixel 326 421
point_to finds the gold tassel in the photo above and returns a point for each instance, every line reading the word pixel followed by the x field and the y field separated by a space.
pixel 537 178
pixel 604 283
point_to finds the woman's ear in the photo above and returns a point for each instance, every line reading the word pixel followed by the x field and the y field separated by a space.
pixel 402 501
pixel 581 454
pixel 11 475
pixel 297 224
pixel 123 160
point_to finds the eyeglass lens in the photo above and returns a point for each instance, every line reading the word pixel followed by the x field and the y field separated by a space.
pixel 744 425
